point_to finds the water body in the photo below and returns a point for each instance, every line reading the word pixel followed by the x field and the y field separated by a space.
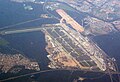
pixel 110 44
pixel 32 45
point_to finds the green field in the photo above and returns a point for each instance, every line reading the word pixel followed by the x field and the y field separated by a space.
pixel 3 42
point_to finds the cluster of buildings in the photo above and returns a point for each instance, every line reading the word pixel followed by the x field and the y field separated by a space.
pixel 102 10
pixel 15 63
pixel 95 26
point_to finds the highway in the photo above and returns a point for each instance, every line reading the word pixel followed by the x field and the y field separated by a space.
pixel 6 32
pixel 44 71
pixel 24 75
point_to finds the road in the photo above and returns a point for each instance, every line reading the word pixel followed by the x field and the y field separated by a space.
pixel 34 73
pixel 6 32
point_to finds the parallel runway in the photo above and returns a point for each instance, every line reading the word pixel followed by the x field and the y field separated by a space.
pixel 70 45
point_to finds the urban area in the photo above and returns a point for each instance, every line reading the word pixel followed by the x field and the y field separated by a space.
pixel 69 46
